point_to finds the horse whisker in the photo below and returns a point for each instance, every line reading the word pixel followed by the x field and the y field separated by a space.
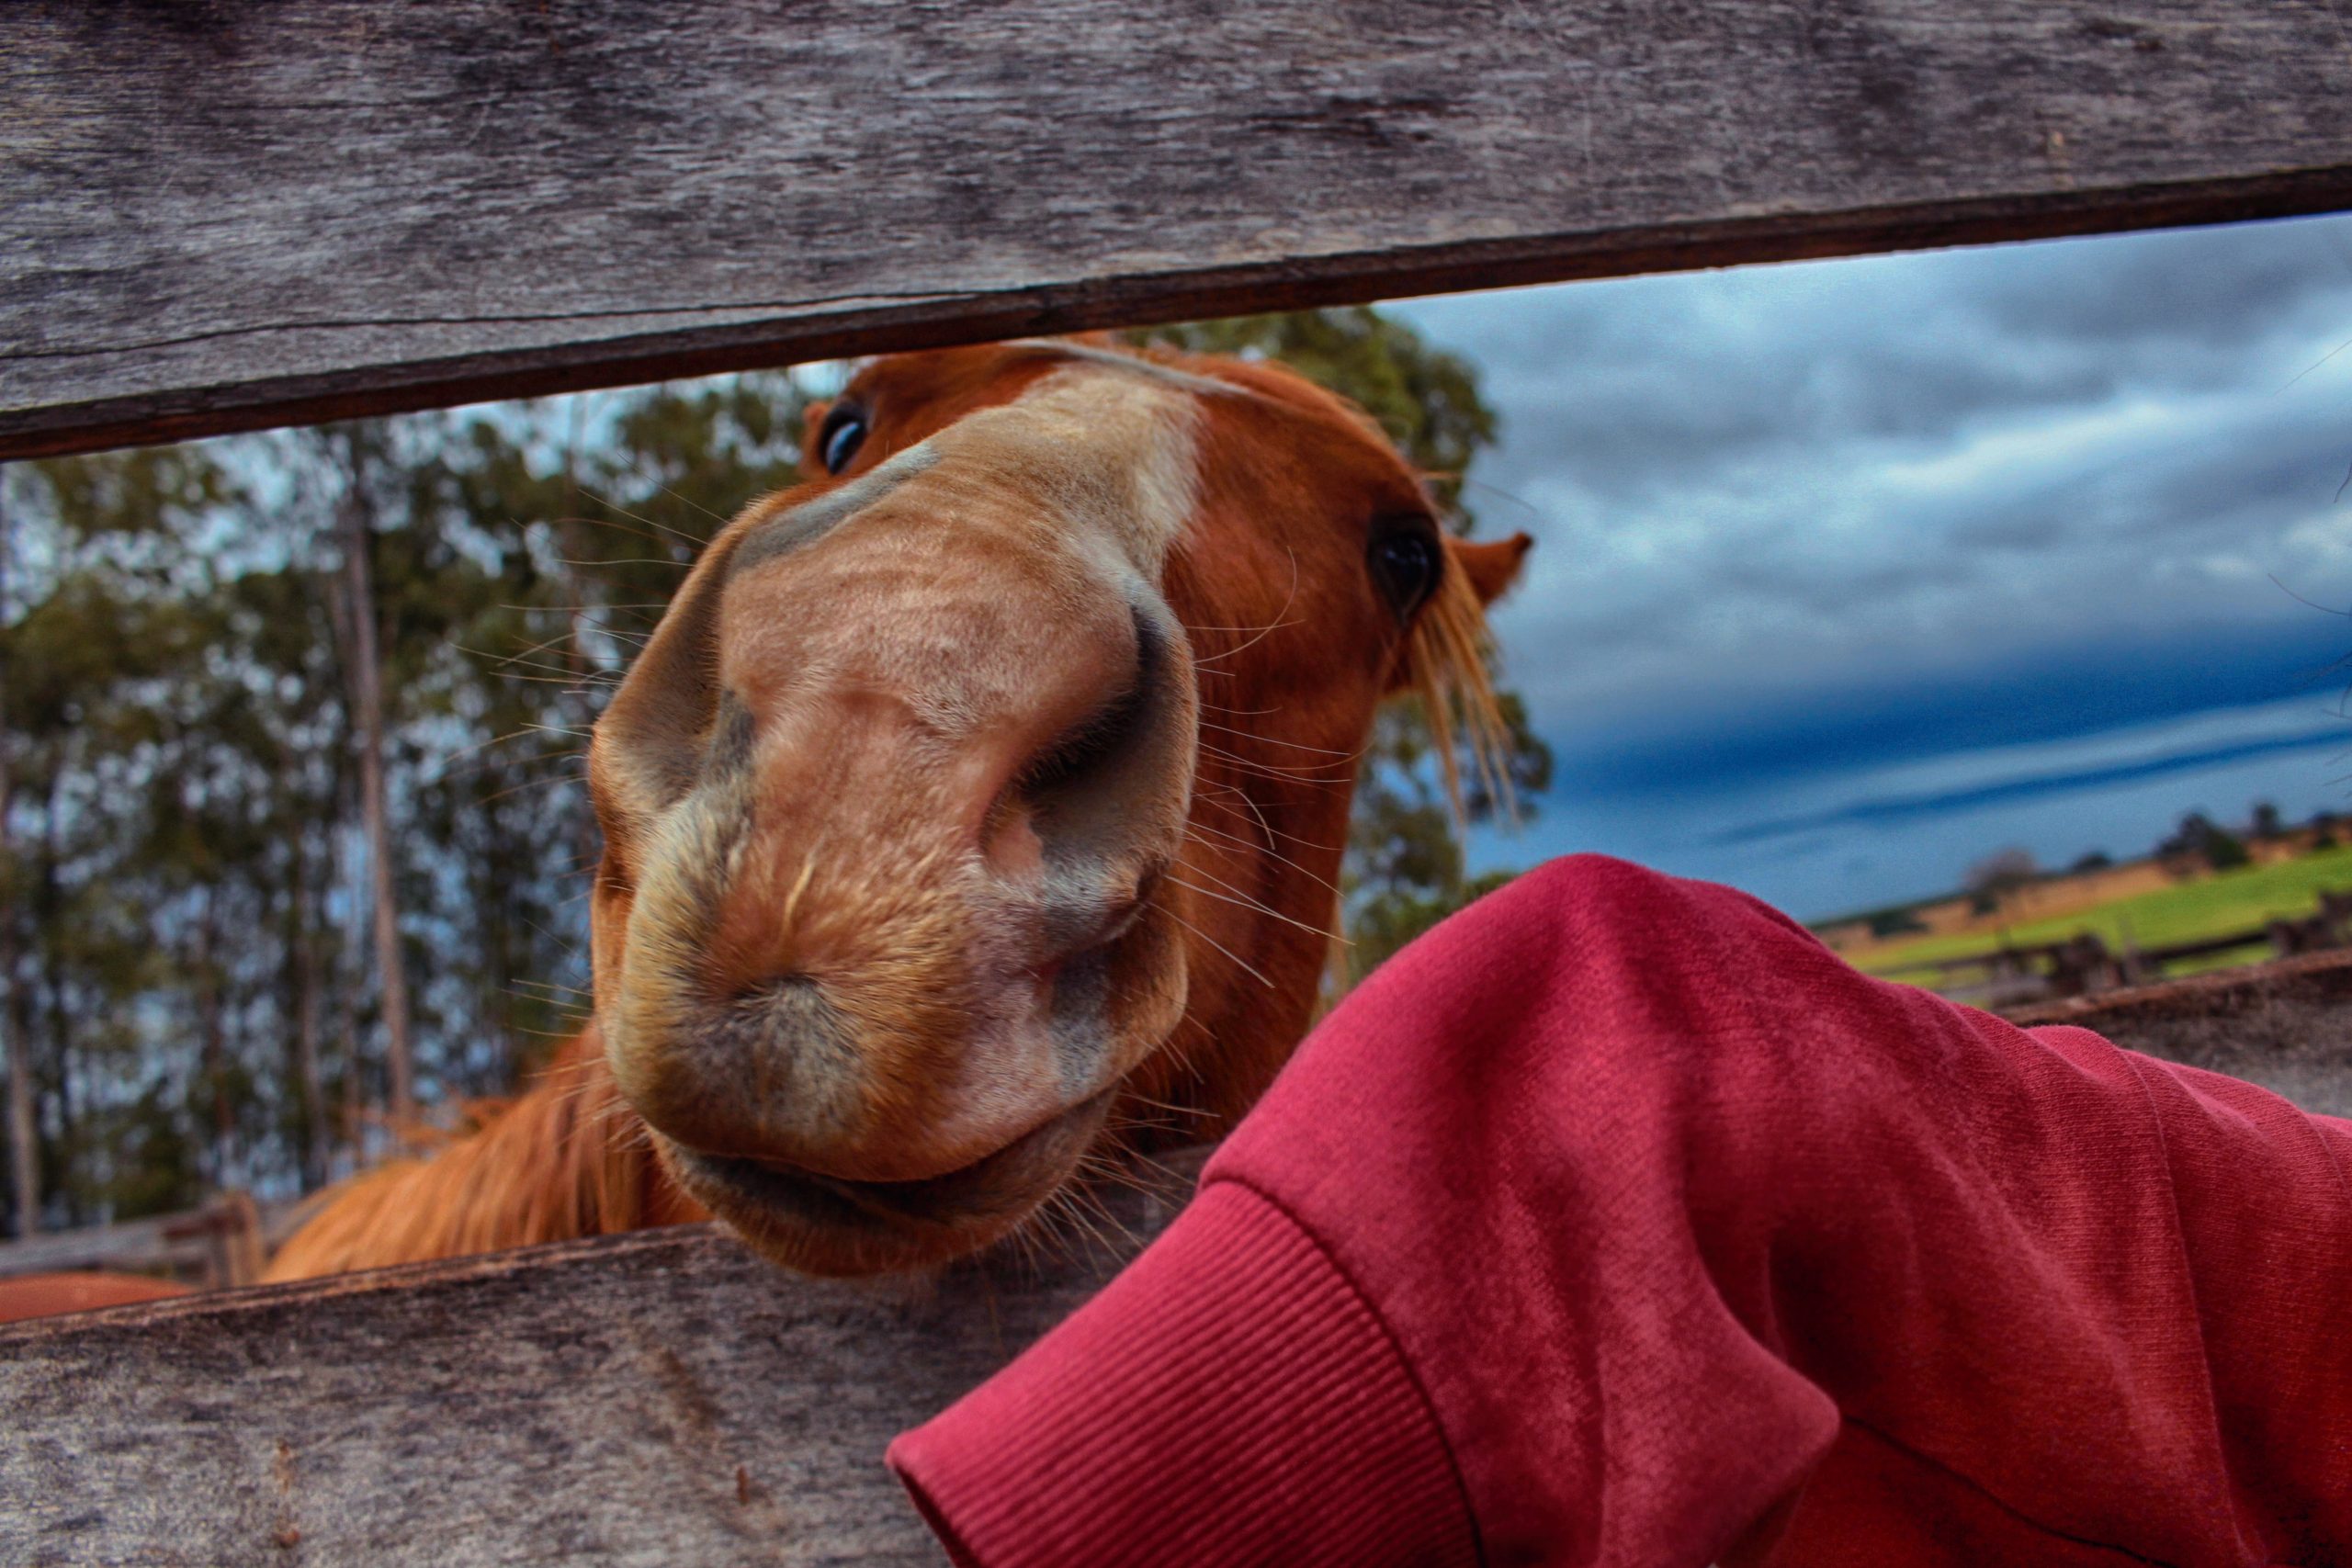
pixel 1253 904
pixel 1271 832
pixel 1291 745
pixel 629 561
pixel 1280 621
pixel 1193 829
pixel 1237 958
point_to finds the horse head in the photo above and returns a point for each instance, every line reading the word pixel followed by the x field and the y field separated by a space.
pixel 982 800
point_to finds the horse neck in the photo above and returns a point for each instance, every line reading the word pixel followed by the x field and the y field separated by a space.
pixel 1257 989
pixel 567 1158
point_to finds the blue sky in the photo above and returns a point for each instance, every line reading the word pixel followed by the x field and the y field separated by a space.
pixel 1848 573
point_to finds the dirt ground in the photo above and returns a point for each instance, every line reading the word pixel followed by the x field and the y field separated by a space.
pixel 2298 1048
pixel 2287 1026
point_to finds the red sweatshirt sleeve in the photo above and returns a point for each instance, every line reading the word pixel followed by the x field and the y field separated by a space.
pixel 1618 1222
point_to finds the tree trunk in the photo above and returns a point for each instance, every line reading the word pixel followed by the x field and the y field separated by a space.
pixel 304 944
pixel 24 1154
pixel 47 931
pixel 24 1151
pixel 364 670
pixel 212 1050
pixel 355 1106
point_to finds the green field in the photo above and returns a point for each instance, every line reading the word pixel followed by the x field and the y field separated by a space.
pixel 2234 900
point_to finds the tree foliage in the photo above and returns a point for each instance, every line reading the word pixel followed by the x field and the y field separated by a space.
pixel 2199 837
pixel 1997 875
pixel 187 964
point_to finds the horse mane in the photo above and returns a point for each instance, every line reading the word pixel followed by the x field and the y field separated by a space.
pixel 1447 661
pixel 566 1158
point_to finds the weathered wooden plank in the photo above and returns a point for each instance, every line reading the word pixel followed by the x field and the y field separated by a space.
pixel 173 1244
pixel 657 1398
pixel 230 214
pixel 2315 979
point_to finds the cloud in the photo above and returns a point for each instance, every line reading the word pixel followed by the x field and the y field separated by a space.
pixel 1822 516
pixel 1824 465
pixel 1741 734
pixel 1943 803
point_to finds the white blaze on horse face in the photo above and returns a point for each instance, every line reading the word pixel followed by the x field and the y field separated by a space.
pixel 849 626
pixel 1106 445
pixel 1106 452
pixel 1109 449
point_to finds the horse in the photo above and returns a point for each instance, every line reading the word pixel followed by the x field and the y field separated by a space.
pixel 47 1295
pixel 973 814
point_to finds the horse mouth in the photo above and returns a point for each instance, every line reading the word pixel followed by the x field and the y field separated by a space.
pixel 827 1224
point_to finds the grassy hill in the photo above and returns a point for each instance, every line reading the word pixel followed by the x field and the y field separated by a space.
pixel 2214 906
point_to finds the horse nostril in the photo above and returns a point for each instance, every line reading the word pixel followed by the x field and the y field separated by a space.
pixel 1103 733
pixel 1078 748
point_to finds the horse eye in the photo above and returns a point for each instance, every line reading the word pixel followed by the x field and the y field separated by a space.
pixel 843 434
pixel 1406 565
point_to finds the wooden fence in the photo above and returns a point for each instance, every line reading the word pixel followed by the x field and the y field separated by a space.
pixel 234 214
pixel 228 215
pixel 662 1398
pixel 218 1244
pixel 2015 975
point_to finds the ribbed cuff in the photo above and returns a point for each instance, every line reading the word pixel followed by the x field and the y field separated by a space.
pixel 1229 1398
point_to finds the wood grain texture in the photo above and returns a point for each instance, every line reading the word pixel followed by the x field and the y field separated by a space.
pixel 224 215
pixel 2315 979
pixel 170 1243
pixel 649 1399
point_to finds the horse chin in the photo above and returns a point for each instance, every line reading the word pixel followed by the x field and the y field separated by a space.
pixel 824 1225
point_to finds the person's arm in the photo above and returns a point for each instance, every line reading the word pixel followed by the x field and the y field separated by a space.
pixel 1619 1221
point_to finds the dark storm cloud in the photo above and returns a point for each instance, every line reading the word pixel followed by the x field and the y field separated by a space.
pixel 1644 379
pixel 2216 287
pixel 1896 809
pixel 2028 533
pixel 1641 430
pixel 1983 539
pixel 1748 733
pixel 1763 481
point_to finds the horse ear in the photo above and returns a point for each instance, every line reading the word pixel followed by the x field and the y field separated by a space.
pixel 1492 566
pixel 812 420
